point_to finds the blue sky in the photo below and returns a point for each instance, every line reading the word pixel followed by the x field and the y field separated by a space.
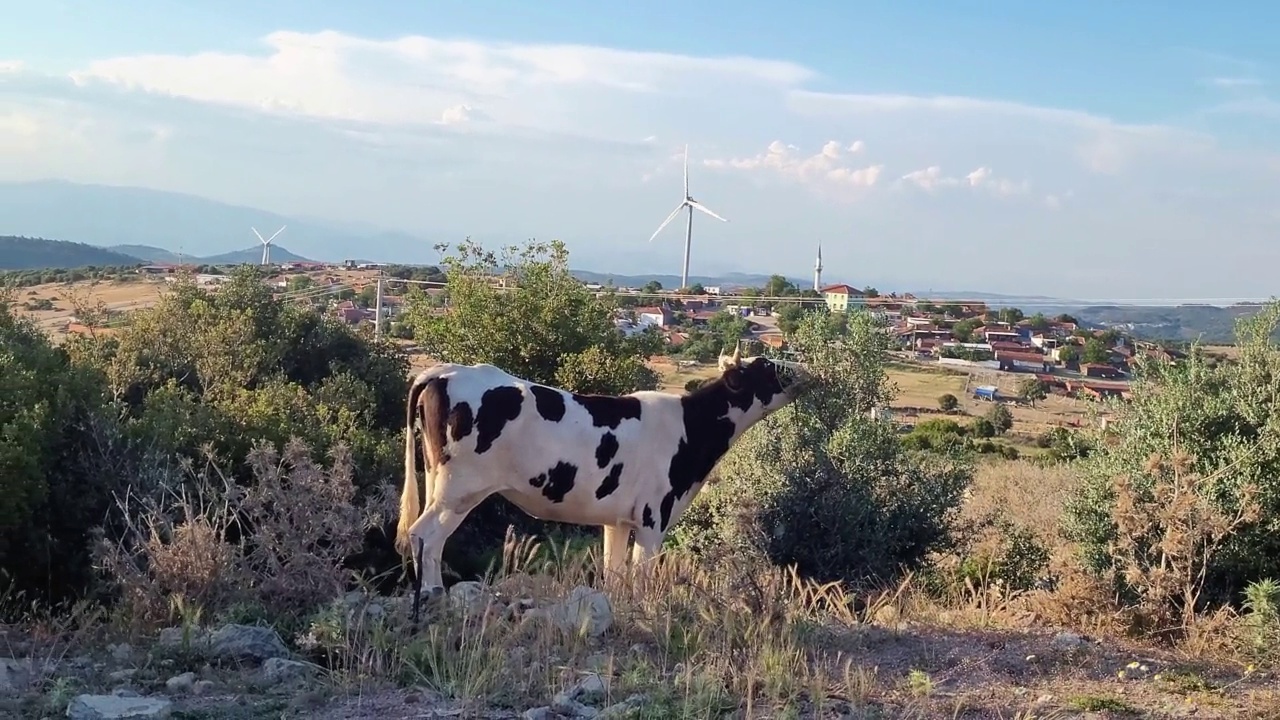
pixel 1092 149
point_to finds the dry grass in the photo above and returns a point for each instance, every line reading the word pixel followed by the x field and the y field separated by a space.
pixel 703 640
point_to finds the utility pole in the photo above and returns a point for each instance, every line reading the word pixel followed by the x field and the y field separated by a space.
pixel 377 310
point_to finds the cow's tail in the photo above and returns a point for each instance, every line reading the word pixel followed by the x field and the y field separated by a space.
pixel 410 507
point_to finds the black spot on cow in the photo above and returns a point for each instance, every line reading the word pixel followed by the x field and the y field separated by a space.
pixel 605 451
pixel 498 406
pixel 609 411
pixel 538 481
pixel 550 402
pixel 647 518
pixel 460 421
pixel 708 430
pixel 610 482
pixel 560 481
pixel 707 434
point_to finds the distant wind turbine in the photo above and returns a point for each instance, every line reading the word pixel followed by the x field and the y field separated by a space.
pixel 266 243
pixel 691 204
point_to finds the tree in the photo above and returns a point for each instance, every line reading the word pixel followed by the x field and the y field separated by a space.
pixel 544 325
pixel 1009 315
pixel 963 330
pixel 1069 354
pixel 1095 351
pixel 789 317
pixel 1039 322
pixel 1000 418
pixel 1032 389
pixel 948 402
pixel 652 287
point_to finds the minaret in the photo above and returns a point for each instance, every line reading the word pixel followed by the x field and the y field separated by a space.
pixel 817 271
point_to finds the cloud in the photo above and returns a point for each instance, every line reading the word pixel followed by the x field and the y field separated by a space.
pixel 827 168
pixel 1234 82
pixel 513 140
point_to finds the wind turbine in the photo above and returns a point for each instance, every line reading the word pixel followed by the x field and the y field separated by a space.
pixel 266 243
pixel 691 204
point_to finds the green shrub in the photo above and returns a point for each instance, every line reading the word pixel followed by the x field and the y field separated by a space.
pixel 1195 448
pixel 1000 418
pixel 821 485
pixel 948 402
pixel 982 428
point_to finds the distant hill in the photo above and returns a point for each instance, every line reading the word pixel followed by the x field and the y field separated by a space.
pixel 1207 323
pixel 24 253
pixel 119 217
pixel 253 255
pixel 671 282
pixel 150 254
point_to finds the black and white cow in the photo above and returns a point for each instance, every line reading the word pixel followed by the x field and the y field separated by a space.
pixel 630 462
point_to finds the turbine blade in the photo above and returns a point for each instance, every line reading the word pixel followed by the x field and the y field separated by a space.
pixel 703 208
pixel 670 217
pixel 686 170
pixel 255 232
pixel 273 237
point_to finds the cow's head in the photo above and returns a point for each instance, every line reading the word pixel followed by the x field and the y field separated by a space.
pixel 770 384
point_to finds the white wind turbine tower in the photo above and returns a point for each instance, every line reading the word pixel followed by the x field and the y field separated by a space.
pixel 266 243
pixel 691 204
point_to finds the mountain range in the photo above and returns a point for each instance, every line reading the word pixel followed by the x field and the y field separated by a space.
pixel 110 217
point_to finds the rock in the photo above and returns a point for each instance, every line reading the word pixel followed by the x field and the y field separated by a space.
pixel 246 642
pixel 122 675
pixel 110 707
pixel 181 683
pixel 279 670
pixel 584 610
pixel 624 708
pixel 175 637
pixel 1067 641
pixel 540 713
pixel 14 675
pixel 121 652
pixel 202 687
pixel 468 595
pixel 573 701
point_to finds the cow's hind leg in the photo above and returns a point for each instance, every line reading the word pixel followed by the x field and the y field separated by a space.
pixel 648 545
pixel 615 549
pixel 447 507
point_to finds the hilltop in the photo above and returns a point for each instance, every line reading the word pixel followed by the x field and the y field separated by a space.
pixel 25 253
pixel 253 255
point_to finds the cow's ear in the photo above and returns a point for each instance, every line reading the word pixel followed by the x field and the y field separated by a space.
pixel 733 379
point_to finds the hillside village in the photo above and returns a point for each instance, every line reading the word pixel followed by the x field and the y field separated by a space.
pixel 968 337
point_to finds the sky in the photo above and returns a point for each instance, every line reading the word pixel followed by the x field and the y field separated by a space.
pixel 1087 150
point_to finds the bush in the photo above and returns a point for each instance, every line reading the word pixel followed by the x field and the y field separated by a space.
pixel 820 484
pixel 948 402
pixel 1000 418
pixel 982 428
pixel 297 525
pixel 1189 475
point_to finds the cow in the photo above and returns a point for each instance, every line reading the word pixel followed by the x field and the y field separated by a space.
pixel 627 463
